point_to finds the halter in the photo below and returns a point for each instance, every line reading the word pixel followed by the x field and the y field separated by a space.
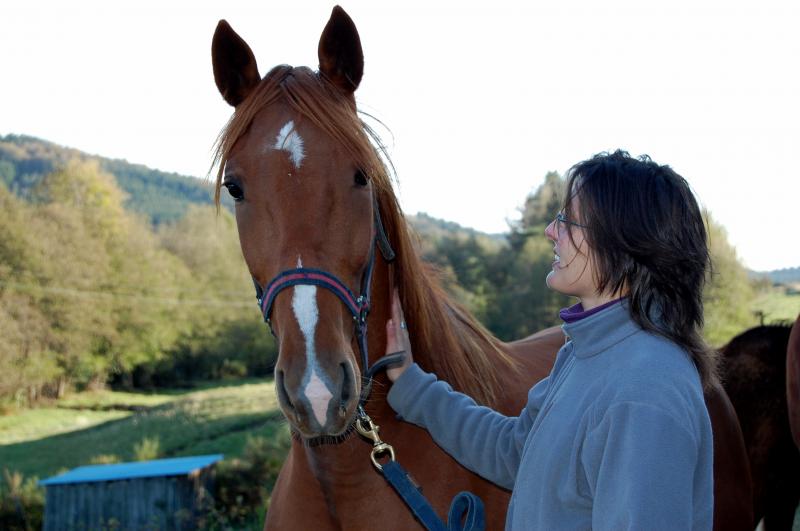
pixel 358 306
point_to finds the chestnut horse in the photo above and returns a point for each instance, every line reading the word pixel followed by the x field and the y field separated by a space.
pixel 754 370
pixel 311 195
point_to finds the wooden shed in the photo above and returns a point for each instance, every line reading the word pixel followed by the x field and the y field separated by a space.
pixel 158 494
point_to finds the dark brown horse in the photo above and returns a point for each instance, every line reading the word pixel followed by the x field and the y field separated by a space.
pixel 308 183
pixel 755 377
pixel 793 381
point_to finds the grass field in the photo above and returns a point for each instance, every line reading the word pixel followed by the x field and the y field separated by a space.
pixel 102 425
pixel 777 305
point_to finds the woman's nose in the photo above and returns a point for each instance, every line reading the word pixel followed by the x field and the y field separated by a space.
pixel 550 231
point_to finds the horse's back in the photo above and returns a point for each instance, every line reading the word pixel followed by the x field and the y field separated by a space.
pixel 733 492
pixel 754 376
pixel 793 381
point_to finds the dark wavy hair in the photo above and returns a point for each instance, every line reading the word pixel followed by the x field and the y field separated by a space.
pixel 647 237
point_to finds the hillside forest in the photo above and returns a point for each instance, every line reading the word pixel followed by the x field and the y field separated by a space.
pixel 112 274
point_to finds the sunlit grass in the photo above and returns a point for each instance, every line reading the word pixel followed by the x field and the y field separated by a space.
pixel 107 399
pixel 777 305
pixel 44 422
pixel 77 411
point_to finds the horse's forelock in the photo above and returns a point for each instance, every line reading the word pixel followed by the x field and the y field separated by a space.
pixel 316 100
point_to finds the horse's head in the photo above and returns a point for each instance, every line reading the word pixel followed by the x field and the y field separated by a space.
pixel 298 162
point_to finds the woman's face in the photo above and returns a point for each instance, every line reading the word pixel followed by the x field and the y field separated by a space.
pixel 572 264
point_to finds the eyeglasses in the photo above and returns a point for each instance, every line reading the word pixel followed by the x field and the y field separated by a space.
pixel 560 217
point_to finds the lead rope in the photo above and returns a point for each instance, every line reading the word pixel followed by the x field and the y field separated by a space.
pixel 466 510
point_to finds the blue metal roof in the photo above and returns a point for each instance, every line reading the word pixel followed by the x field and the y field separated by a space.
pixel 178 466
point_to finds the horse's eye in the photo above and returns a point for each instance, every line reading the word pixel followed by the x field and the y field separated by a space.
pixel 360 179
pixel 236 192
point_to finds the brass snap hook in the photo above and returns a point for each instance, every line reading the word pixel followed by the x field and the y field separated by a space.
pixel 379 449
pixel 369 430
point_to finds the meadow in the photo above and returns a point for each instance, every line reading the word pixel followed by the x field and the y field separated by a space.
pixel 777 304
pixel 108 426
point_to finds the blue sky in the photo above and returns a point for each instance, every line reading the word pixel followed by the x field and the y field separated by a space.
pixel 481 101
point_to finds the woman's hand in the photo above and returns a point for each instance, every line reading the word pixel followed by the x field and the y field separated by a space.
pixel 397 339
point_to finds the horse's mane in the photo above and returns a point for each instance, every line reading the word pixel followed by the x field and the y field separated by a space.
pixel 445 338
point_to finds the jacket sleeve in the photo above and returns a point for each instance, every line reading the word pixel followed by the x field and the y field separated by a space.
pixel 481 439
pixel 640 463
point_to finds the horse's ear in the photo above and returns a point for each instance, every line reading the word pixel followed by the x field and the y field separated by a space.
pixel 235 69
pixel 341 60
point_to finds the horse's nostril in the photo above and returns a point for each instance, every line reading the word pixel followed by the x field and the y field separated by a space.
pixel 347 385
pixel 282 394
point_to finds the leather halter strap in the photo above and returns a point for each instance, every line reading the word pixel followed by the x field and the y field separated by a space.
pixel 313 277
pixel 358 306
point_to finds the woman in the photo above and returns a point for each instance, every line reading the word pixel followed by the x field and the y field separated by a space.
pixel 618 435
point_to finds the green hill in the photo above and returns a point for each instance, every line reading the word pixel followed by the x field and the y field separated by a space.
pixel 786 276
pixel 433 228
pixel 160 196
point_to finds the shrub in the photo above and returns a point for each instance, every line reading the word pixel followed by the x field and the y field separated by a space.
pixel 105 459
pixel 242 486
pixel 21 502
pixel 146 449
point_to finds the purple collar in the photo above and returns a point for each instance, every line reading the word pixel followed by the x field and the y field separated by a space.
pixel 576 312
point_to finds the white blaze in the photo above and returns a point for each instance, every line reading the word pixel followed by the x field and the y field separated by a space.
pixel 304 305
pixel 289 140
pixel 317 393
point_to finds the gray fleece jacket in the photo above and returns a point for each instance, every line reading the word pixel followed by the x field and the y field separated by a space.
pixel 616 437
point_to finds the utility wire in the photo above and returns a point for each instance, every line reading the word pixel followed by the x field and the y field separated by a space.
pixel 105 295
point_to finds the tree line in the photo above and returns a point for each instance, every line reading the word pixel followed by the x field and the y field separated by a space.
pixel 92 293
pixel 502 280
